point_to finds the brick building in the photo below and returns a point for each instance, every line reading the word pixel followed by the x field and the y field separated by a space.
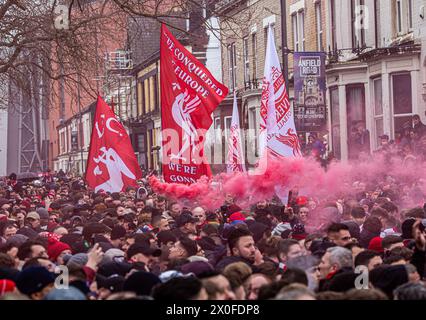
pixel 244 37
pixel 375 73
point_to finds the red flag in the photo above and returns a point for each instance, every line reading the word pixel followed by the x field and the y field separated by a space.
pixel 112 165
pixel 189 95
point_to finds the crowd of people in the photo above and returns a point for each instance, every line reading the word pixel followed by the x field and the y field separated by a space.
pixel 60 240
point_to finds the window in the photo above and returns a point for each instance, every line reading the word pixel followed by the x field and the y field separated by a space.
pixel 335 121
pixel 246 60
pixel 357 23
pixel 399 16
pixel 333 25
pixel 402 100
pixel 355 110
pixel 318 19
pixel 377 23
pixel 141 142
pixel 254 54
pixel 410 14
pixel 232 62
pixel 265 34
pixel 253 116
pixel 378 109
pixel 298 21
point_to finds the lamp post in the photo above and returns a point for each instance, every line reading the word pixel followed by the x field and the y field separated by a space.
pixel 284 49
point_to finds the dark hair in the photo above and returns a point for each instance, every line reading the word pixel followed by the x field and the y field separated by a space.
pixel 358 212
pixel 178 289
pixel 189 245
pixel 336 227
pixel 369 294
pixel 33 262
pixel 295 275
pixel 25 250
pixel 364 257
pixel 379 212
pixel 389 206
pixel 390 240
pixel 269 291
pixel 417 212
pixel 372 224
pixel 284 245
pixel 6 261
pixel 352 245
pixel 235 235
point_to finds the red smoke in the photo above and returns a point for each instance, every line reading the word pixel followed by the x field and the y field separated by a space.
pixel 306 174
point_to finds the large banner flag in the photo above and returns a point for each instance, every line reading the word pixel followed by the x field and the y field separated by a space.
pixel 277 130
pixel 189 95
pixel 309 90
pixel 112 165
pixel 235 161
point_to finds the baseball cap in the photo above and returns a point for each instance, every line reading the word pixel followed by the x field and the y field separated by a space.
pixel 33 215
pixel 185 218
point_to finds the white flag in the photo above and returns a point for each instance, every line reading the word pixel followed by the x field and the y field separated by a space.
pixel 277 130
pixel 235 161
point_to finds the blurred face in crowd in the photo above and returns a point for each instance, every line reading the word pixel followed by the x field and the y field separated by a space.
pixel 190 227
pixel 200 214
pixel 223 288
pixel 60 231
pixel 325 267
pixel 140 205
pixel 127 243
pixel 145 216
pixel 254 283
pixel 60 259
pixel 38 251
pixel 341 238
pixel 34 223
pixel 262 204
pixel 9 231
pixel 164 225
pixel 374 263
pixel 121 211
pixel 177 251
pixel 160 204
pixel 245 248
pixel 303 214
pixel 175 209
pixel 229 199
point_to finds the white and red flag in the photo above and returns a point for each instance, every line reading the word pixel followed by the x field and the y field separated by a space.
pixel 112 165
pixel 235 161
pixel 189 95
pixel 277 135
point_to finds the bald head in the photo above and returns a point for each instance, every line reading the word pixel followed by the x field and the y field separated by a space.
pixel 200 214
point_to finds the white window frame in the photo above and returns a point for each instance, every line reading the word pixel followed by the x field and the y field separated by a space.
pixel 246 59
pixel 399 17
pixel 318 21
pixel 399 115
pixel 254 54
pixel 298 23
pixel 232 65
pixel 376 116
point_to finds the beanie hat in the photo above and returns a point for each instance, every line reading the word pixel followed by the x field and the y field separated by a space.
pixel 16 240
pixel 6 286
pixel 376 244
pixel 197 268
pixel 42 212
pixel 54 249
pixel 71 293
pixel 33 279
pixel 141 283
pixel 79 259
pixel 237 216
pixel 113 283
